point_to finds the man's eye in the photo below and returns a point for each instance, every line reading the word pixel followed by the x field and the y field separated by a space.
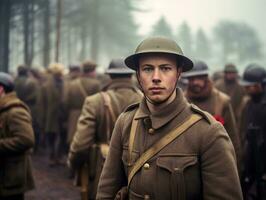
pixel 165 68
pixel 147 69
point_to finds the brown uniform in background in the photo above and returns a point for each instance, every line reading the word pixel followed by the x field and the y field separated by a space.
pixel 16 140
pixel 54 118
pixel 230 86
pixel 201 92
pixel 97 119
pixel 76 93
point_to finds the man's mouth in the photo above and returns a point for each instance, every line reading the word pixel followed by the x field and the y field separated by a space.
pixel 156 89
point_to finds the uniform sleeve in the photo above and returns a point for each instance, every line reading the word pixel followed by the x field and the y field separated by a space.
pixel 20 133
pixel 113 177
pixel 84 136
pixel 218 166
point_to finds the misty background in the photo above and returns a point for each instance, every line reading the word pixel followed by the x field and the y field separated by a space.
pixel 38 32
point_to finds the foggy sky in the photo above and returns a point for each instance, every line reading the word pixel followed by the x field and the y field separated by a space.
pixel 202 13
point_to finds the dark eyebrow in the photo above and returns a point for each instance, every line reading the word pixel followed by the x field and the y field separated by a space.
pixel 164 65
pixel 147 65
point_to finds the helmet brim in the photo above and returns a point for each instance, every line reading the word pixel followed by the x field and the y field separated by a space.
pixel 132 60
pixel 195 73
pixel 119 71
pixel 245 83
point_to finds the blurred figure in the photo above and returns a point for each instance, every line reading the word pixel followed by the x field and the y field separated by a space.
pixel 77 91
pixel 16 140
pixel 217 75
pixel 200 91
pixel 28 90
pixel 253 133
pixel 26 86
pixel 54 113
pixel 230 86
pixel 74 71
pixel 95 125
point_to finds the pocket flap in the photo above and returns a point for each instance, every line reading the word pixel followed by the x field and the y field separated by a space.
pixel 176 162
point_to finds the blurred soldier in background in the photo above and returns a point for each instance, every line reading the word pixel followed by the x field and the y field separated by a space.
pixel 54 113
pixel 99 114
pixel 16 140
pixel 230 86
pixel 253 133
pixel 27 89
pixel 74 72
pixel 201 92
pixel 77 91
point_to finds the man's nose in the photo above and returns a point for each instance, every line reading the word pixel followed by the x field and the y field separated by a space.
pixel 156 76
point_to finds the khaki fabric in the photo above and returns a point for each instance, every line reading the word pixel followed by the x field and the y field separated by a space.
pixel 219 104
pixel 235 91
pixel 192 167
pixel 16 139
pixel 74 97
pixel 92 126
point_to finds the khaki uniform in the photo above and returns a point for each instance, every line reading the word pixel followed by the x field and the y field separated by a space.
pixel 75 95
pixel 53 105
pixel 234 90
pixel 218 104
pixel 191 167
pixel 93 128
pixel 16 139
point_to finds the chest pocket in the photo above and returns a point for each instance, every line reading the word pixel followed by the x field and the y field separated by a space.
pixel 180 173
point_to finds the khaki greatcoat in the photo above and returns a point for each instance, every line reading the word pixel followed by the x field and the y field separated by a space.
pixel 92 125
pixel 235 91
pixel 16 139
pixel 218 104
pixel 75 95
pixel 191 167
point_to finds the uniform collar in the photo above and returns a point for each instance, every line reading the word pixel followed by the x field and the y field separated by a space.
pixel 162 117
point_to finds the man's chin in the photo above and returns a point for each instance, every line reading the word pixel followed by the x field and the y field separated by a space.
pixel 157 100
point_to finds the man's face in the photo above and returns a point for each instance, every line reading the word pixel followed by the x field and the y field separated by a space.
pixel 230 76
pixel 196 84
pixel 158 75
pixel 254 89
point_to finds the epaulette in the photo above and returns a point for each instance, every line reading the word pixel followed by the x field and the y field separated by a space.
pixel 204 114
pixel 131 107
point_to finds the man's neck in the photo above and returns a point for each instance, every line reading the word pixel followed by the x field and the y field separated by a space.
pixel 156 107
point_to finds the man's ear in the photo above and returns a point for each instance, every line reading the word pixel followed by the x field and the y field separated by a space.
pixel 179 71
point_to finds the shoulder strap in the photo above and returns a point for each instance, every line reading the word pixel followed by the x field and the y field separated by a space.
pixel 158 146
pixel 82 89
pixel 107 103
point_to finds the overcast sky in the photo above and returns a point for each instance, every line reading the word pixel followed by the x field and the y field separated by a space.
pixel 203 13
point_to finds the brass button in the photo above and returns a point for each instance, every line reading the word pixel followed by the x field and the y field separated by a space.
pixel 146 166
pixel 146 197
pixel 151 131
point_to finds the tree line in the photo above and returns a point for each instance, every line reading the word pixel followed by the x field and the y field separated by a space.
pixel 45 31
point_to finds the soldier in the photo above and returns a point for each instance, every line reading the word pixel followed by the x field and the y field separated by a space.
pixel 163 147
pixel 16 140
pixel 230 86
pixel 53 91
pixel 97 119
pixel 77 91
pixel 200 91
pixel 253 132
